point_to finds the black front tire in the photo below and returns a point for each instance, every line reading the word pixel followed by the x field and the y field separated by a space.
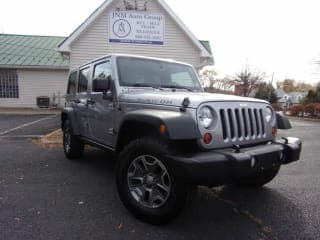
pixel 177 195
pixel 259 179
pixel 72 146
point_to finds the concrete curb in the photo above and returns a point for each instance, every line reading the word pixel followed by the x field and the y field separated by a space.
pixel 52 139
pixel 304 119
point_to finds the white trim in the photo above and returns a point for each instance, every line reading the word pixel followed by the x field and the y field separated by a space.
pixel 65 46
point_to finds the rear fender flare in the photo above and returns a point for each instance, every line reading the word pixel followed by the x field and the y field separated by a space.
pixel 69 113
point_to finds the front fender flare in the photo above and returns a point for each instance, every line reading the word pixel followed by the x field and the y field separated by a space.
pixel 180 125
pixel 282 121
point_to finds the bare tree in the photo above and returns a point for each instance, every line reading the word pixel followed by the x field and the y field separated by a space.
pixel 247 81
pixel 212 82
pixel 207 76
pixel 222 84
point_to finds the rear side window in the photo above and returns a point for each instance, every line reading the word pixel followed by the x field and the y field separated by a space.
pixel 83 80
pixel 72 83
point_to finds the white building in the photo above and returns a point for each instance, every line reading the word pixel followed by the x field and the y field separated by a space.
pixel 140 27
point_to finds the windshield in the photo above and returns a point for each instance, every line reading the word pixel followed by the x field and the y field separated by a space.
pixel 137 72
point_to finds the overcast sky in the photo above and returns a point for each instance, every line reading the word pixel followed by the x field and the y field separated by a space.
pixel 280 36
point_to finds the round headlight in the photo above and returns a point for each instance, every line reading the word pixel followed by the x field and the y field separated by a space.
pixel 205 117
pixel 268 112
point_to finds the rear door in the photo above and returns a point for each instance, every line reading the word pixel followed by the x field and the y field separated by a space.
pixel 81 100
pixel 72 88
pixel 101 117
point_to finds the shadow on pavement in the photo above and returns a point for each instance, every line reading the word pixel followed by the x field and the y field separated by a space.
pixel 218 213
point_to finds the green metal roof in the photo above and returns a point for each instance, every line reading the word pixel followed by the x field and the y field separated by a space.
pixel 31 51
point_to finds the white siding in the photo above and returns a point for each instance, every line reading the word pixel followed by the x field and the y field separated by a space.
pixel 34 83
pixel 94 42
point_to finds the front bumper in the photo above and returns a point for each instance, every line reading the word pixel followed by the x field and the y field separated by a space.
pixel 226 165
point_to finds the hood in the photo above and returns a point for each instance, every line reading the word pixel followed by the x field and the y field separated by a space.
pixel 169 98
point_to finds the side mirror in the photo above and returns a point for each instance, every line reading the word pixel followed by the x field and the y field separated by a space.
pixel 282 121
pixel 101 84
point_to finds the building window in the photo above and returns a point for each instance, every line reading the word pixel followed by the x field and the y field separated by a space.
pixel 9 87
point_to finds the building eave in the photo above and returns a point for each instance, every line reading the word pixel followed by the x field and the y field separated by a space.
pixel 64 46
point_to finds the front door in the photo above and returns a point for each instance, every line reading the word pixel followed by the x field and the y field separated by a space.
pixel 101 119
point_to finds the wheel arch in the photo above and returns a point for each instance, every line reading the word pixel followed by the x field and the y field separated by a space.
pixel 140 123
pixel 68 113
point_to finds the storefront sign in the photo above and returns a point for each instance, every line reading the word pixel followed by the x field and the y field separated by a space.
pixel 136 28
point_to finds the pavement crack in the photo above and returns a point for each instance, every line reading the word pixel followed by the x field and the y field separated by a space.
pixel 266 230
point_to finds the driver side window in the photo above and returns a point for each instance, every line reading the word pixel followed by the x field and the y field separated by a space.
pixel 102 70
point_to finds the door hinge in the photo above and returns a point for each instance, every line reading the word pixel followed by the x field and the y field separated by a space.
pixel 111 131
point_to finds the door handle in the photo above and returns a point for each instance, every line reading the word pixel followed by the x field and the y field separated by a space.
pixel 90 101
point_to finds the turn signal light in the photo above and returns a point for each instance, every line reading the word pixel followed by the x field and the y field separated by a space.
pixel 163 129
pixel 274 131
pixel 207 138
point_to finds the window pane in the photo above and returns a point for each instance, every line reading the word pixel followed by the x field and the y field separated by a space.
pixel 72 83
pixel 153 73
pixel 102 70
pixel 9 87
pixel 182 79
pixel 83 80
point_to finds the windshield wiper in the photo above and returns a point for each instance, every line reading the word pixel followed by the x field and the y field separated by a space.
pixel 173 87
pixel 145 85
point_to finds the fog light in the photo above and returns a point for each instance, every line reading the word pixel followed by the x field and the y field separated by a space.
pixel 207 138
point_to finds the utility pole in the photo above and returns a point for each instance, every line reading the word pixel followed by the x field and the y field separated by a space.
pixel 270 87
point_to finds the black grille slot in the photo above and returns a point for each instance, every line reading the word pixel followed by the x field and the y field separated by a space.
pixel 262 122
pixel 238 122
pixel 231 123
pixel 257 122
pixel 245 122
pixel 251 122
pixel 223 124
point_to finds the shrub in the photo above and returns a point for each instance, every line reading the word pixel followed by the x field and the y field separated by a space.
pixel 310 109
pixel 296 110
pixel 317 109
pixel 277 107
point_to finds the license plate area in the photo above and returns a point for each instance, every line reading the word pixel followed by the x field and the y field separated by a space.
pixel 266 160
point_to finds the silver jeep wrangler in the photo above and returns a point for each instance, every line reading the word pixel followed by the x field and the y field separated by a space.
pixel 168 135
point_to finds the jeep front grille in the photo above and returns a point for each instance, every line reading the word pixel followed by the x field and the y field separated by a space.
pixel 240 124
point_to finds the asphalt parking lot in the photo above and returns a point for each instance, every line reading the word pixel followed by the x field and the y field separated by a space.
pixel 45 196
pixel 26 126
